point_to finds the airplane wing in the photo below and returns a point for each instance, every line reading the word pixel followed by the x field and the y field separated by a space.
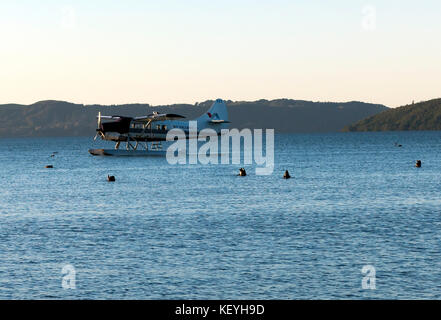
pixel 112 117
pixel 150 117
pixel 158 117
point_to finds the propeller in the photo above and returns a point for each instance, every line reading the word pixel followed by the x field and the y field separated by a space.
pixel 99 119
pixel 99 125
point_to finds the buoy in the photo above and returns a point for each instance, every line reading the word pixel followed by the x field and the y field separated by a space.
pixel 49 166
pixel 242 172
pixel 286 175
pixel 418 164
pixel 110 178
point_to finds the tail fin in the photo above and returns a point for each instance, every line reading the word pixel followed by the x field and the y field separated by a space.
pixel 217 113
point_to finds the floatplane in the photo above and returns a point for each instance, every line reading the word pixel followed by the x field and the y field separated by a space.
pixel 144 135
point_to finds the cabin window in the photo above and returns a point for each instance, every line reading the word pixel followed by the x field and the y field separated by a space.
pixel 158 127
pixel 164 127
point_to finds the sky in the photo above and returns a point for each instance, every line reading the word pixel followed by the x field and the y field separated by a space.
pixel 164 52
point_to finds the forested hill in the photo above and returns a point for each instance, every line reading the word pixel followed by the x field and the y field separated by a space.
pixel 59 118
pixel 419 116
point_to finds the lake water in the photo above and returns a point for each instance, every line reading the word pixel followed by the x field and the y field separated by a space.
pixel 201 232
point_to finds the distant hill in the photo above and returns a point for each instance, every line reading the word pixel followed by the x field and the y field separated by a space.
pixel 419 116
pixel 59 118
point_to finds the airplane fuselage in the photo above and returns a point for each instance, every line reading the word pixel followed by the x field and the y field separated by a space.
pixel 134 129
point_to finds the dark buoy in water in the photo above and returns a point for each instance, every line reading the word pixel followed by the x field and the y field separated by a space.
pixel 49 166
pixel 286 175
pixel 110 178
pixel 242 172
pixel 418 164
pixel 398 145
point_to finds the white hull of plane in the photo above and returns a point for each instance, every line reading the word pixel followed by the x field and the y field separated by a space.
pixel 131 153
